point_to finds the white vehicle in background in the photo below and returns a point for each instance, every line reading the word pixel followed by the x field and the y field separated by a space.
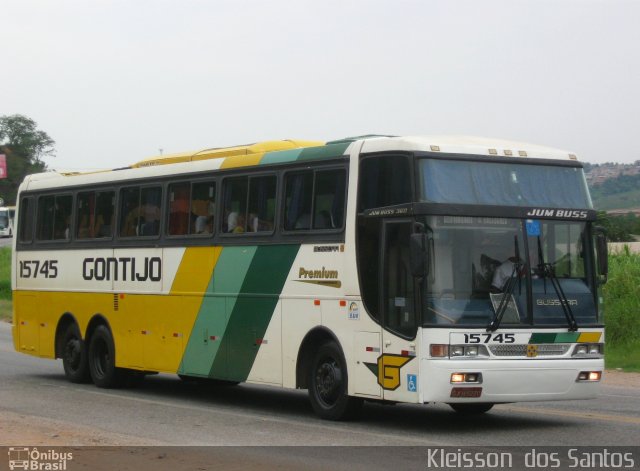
pixel 7 214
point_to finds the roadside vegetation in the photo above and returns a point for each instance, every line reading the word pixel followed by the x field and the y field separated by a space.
pixel 621 298
pixel 622 311
pixel 5 284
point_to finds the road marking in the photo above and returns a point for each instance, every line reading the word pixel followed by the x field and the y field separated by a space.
pixel 577 415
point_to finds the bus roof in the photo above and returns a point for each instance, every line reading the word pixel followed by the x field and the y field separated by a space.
pixel 465 145
pixel 270 152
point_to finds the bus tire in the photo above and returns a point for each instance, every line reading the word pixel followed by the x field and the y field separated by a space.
pixel 102 359
pixel 328 383
pixel 472 408
pixel 74 355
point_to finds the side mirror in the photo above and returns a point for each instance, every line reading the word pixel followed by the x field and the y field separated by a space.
pixel 419 250
pixel 602 255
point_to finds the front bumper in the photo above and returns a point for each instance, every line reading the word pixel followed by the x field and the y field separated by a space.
pixel 510 380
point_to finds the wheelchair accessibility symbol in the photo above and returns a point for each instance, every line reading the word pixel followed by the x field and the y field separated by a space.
pixel 411 383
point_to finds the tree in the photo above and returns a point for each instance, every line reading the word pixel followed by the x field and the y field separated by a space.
pixel 25 146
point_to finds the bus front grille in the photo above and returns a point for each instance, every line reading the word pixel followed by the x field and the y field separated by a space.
pixel 521 350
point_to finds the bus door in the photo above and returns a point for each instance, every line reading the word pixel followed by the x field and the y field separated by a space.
pixel 398 364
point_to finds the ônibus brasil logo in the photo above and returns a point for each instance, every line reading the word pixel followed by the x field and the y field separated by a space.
pixel 34 459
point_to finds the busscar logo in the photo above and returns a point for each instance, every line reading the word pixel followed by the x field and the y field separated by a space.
pixel 34 459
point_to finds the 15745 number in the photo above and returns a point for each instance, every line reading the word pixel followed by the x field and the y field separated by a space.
pixel 489 338
pixel 36 268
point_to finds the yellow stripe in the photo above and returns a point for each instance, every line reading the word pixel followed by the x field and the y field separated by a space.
pixel 242 160
pixel 195 270
pixel 589 337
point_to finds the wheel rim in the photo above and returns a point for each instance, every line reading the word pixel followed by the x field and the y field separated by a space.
pixel 328 384
pixel 73 353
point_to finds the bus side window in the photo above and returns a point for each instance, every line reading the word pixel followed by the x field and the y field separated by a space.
pixel 298 196
pixel 25 231
pixel 315 200
pixel 262 204
pixel 94 213
pixel 179 196
pixel 384 181
pixel 235 205
pixel 54 218
pixel 203 207
pixel 140 211
pixel 328 199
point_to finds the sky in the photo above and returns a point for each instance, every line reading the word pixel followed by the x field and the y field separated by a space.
pixel 113 82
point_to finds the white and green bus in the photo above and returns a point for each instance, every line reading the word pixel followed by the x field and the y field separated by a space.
pixel 404 269
pixel 7 214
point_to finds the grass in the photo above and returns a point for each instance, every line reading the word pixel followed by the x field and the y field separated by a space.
pixel 622 311
pixel 5 284
pixel 5 273
pixel 625 357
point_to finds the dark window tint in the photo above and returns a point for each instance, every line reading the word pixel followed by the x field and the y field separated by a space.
pixel 191 208
pixel 95 214
pixel 398 282
pixel 25 231
pixel 262 204
pixel 249 204
pixel 314 200
pixel 384 181
pixel 235 205
pixel 54 217
pixel 140 212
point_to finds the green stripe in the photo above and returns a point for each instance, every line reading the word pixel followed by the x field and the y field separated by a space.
pixel 280 157
pixel 542 338
pixel 252 311
pixel 562 337
pixel 219 299
pixel 567 337
pixel 324 152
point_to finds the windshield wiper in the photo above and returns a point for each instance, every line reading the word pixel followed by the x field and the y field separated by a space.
pixel 504 299
pixel 547 270
pixel 508 290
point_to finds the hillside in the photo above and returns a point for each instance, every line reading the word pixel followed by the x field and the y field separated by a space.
pixel 615 186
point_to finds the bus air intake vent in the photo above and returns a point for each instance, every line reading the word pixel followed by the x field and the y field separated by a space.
pixel 115 302
pixel 521 350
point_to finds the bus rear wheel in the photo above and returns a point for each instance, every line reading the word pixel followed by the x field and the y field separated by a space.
pixel 74 356
pixel 472 409
pixel 328 385
pixel 102 359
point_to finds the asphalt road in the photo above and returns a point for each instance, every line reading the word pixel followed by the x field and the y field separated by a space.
pixel 6 241
pixel 165 410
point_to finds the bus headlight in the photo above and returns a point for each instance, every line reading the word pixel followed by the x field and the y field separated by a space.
pixel 588 350
pixel 468 351
pixel 457 350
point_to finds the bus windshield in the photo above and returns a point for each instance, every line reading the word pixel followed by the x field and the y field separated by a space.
pixel 509 184
pixel 4 219
pixel 474 260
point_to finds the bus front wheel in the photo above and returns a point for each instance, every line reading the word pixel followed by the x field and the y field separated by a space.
pixel 74 356
pixel 328 385
pixel 102 359
pixel 472 409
